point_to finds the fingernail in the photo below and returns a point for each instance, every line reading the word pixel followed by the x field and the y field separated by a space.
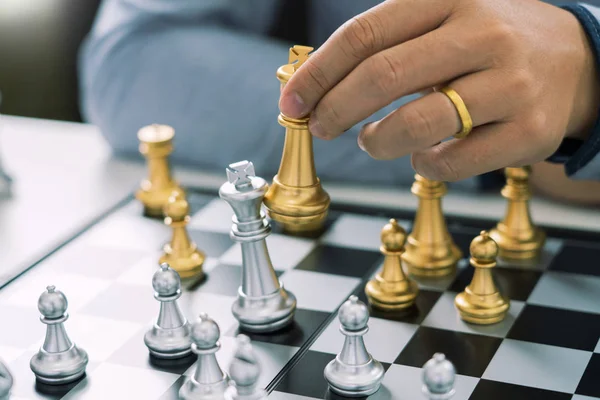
pixel 361 145
pixel 292 105
pixel 315 128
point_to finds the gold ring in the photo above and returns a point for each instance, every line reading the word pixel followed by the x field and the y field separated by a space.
pixel 463 113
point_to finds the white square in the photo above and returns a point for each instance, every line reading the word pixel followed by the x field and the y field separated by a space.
pixel 287 396
pixel 129 233
pixel 9 354
pixel 215 217
pixel 597 349
pixel 580 397
pixel 216 306
pixel 568 291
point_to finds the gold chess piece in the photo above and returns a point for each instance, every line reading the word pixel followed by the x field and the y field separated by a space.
pixel 295 198
pixel 430 250
pixel 181 253
pixel 391 289
pixel 481 302
pixel 517 237
pixel 156 144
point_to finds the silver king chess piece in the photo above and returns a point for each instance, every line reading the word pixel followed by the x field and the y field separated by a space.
pixel 262 304
pixel 244 371
pixel 6 382
pixel 170 336
pixel 438 378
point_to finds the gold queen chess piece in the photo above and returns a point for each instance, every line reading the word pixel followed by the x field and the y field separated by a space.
pixel 430 250
pixel 481 302
pixel 156 144
pixel 296 199
pixel 517 237
pixel 391 289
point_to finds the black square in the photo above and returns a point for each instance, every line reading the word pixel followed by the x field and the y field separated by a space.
pixel 213 244
pixel 305 324
pixel 340 261
pixel 491 390
pixel 590 382
pixel 577 257
pixel 470 353
pixel 516 284
pixel 557 327
pixel 463 237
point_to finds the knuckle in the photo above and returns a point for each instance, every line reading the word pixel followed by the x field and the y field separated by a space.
pixel 523 84
pixel 535 124
pixel 363 35
pixel 416 125
pixel 384 72
pixel 316 74
pixel 329 119
pixel 504 36
pixel 441 167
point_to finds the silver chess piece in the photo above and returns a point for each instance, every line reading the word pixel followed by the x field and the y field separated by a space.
pixel 6 382
pixel 262 304
pixel 208 380
pixel 439 375
pixel 354 372
pixel 59 360
pixel 244 372
pixel 170 336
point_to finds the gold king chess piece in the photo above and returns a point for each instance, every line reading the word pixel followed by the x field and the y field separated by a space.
pixel 181 253
pixel 391 289
pixel 156 144
pixel 517 237
pixel 430 250
pixel 481 302
pixel 295 199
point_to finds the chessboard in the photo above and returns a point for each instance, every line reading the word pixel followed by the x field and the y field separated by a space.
pixel 546 348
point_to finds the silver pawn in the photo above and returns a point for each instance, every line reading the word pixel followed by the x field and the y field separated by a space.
pixel 262 304
pixel 170 336
pixel 59 361
pixel 208 380
pixel 438 378
pixel 354 372
pixel 6 382
pixel 244 372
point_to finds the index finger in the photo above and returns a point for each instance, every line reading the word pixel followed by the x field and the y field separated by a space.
pixel 385 25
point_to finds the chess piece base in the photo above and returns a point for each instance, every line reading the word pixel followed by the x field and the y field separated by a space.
pixel 154 200
pixel 187 267
pixel 266 313
pixel 481 310
pixel 512 248
pixel 391 296
pixel 355 380
pixel 430 262
pixel 438 396
pixel 169 343
pixel 192 390
pixel 59 368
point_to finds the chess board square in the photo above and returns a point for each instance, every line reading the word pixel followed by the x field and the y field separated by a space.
pixel 576 330
pixel 213 244
pixel 223 279
pixel 568 291
pixel 539 365
pixel 404 383
pixel 590 383
pixel 444 315
pixel 384 340
pixel 470 353
pixel 512 283
pixel 551 248
pixel 577 257
pixel 28 329
pixel 217 306
pixel 9 354
pixel 286 396
pixel 340 261
pixel 463 236
pixel 317 291
pixel 122 302
pixel 597 349
pixel 491 390
pixel 579 397
pixel 442 283
pixel 214 217
pixel 197 201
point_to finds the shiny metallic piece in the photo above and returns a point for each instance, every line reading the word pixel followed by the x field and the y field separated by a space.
pixel 354 372
pixel 481 302
pixel 170 336
pixel 430 250
pixel 296 200
pixel 391 289
pixel 262 304
pixel 181 253
pixel 59 360
pixel 517 236
pixel 208 381
pixel 439 375
pixel 6 382
pixel 244 372
pixel 156 144
pixel 5 179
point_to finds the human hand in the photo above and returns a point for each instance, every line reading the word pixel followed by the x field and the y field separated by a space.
pixel 524 69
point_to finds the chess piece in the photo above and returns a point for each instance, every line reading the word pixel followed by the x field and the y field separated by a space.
pixel 6 382
pixel 156 144
pixel 181 253
pixel 170 336
pixel 5 179
pixel 296 199
pixel 244 372
pixel 262 304
pixel 391 289
pixel 208 381
pixel 516 235
pixel 481 302
pixel 354 372
pixel 438 378
pixel 59 361
pixel 430 250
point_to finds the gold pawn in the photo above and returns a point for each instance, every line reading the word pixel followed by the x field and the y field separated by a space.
pixel 296 199
pixel 156 144
pixel 391 290
pixel 517 237
pixel 481 303
pixel 430 250
pixel 181 253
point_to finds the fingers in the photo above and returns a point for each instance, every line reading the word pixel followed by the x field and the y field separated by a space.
pixel 390 23
pixel 488 95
